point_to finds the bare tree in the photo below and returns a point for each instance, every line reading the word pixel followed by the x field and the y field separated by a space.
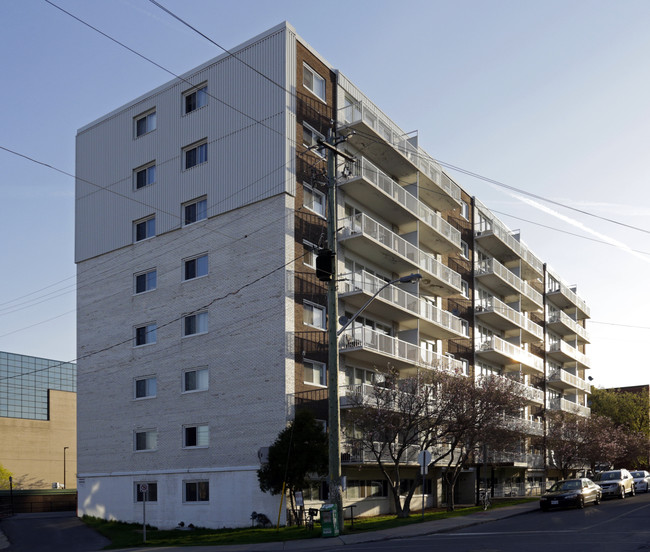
pixel 567 441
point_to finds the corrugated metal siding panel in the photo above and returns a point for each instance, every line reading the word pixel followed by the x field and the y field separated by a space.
pixel 247 160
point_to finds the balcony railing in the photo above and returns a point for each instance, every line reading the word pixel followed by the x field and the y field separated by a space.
pixel 570 295
pixel 559 375
pixel 568 322
pixel 492 304
pixel 569 351
pixel 399 298
pixel 568 406
pixel 530 393
pixel 514 353
pixel 492 266
pixel 383 182
pixel 364 338
pixel 530 427
pixel 364 225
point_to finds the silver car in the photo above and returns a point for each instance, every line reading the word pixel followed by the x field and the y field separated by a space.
pixel 641 480
pixel 616 483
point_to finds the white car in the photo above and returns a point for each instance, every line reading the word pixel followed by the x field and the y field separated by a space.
pixel 641 480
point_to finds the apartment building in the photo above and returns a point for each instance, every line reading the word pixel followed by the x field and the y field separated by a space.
pixel 201 207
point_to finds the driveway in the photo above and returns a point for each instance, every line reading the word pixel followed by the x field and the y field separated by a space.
pixel 49 532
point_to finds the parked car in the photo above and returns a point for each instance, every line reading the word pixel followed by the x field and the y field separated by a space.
pixel 617 483
pixel 571 492
pixel 641 480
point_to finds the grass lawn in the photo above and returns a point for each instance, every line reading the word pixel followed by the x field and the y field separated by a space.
pixel 127 535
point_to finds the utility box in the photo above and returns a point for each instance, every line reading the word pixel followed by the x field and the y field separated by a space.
pixel 329 520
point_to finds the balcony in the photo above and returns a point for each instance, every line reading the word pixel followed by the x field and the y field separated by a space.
pixel 528 426
pixel 394 303
pixel 501 352
pixel 373 241
pixel 373 347
pixel 387 145
pixel 372 187
pixel 529 393
pixel 565 298
pixel 568 406
pixel 562 352
pixel 565 380
pixel 564 325
pixel 504 282
pixel 353 452
pixel 499 315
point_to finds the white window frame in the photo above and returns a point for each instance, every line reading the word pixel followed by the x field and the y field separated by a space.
pixel 321 366
pixel 197 371
pixel 313 141
pixel 201 210
pixel 197 265
pixel 464 289
pixel 308 195
pixel 200 159
pixel 137 495
pixel 308 306
pixel 464 250
pixel 318 85
pixel 464 209
pixel 196 482
pixel 464 327
pixel 149 118
pixel 147 280
pixel 201 92
pixel 200 323
pixel 149 226
pixel 149 394
pixel 150 334
pixel 311 252
pixel 149 171
pixel 204 434
pixel 150 446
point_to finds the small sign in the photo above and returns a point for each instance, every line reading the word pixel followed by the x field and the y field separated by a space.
pixel 299 499
pixel 424 459
pixel 144 487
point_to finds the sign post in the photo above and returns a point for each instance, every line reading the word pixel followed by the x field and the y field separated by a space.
pixel 144 489
pixel 424 459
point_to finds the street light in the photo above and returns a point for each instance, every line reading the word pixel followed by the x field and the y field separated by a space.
pixel 64 449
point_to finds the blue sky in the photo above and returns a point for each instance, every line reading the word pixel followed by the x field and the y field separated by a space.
pixel 549 97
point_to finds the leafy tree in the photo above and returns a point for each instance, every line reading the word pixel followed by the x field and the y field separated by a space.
pixel 299 450
pixel 631 410
pixel 5 474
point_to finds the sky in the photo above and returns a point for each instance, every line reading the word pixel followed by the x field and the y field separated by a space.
pixel 550 98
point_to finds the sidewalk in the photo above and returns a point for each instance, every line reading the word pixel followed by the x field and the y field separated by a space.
pixel 406 531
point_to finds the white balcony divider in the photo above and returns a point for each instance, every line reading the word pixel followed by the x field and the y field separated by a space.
pixel 493 266
pixel 492 304
pixel 369 284
pixel 365 338
pixel 382 181
pixel 363 224
pixel 513 352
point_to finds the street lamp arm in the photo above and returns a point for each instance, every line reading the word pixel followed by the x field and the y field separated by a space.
pixel 403 280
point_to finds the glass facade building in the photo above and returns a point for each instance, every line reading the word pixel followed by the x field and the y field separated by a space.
pixel 25 381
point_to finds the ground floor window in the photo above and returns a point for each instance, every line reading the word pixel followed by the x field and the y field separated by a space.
pixel 197 491
pixel 362 488
pixel 152 491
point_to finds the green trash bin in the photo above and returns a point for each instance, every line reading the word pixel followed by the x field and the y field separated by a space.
pixel 329 520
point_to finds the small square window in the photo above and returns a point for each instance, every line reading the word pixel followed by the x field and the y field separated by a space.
pixel 195 324
pixel 145 387
pixel 145 281
pixel 145 335
pixel 195 99
pixel 310 139
pixel 195 154
pixel 313 200
pixel 145 123
pixel 146 440
pixel 144 176
pixel 197 491
pixel 315 373
pixel 313 82
pixel 144 229
pixel 314 315
pixel 195 267
pixel 196 436
pixel 195 211
pixel 196 380
pixel 152 491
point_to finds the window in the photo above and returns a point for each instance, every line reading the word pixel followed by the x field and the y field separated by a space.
pixel 144 176
pixel 464 210
pixel 464 327
pixel 313 82
pixel 197 491
pixel 310 254
pixel 196 436
pixel 464 288
pixel 146 440
pixel 310 139
pixel 144 229
pixel 145 123
pixel 196 98
pixel 465 364
pixel 145 335
pixel 315 373
pixel 145 387
pixel 195 154
pixel 313 200
pixel 464 250
pixel 195 211
pixel 145 281
pixel 195 324
pixel 152 491
pixel 314 315
pixel 195 268
pixel 196 380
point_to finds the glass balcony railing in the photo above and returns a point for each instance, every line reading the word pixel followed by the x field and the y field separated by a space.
pixel 362 224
